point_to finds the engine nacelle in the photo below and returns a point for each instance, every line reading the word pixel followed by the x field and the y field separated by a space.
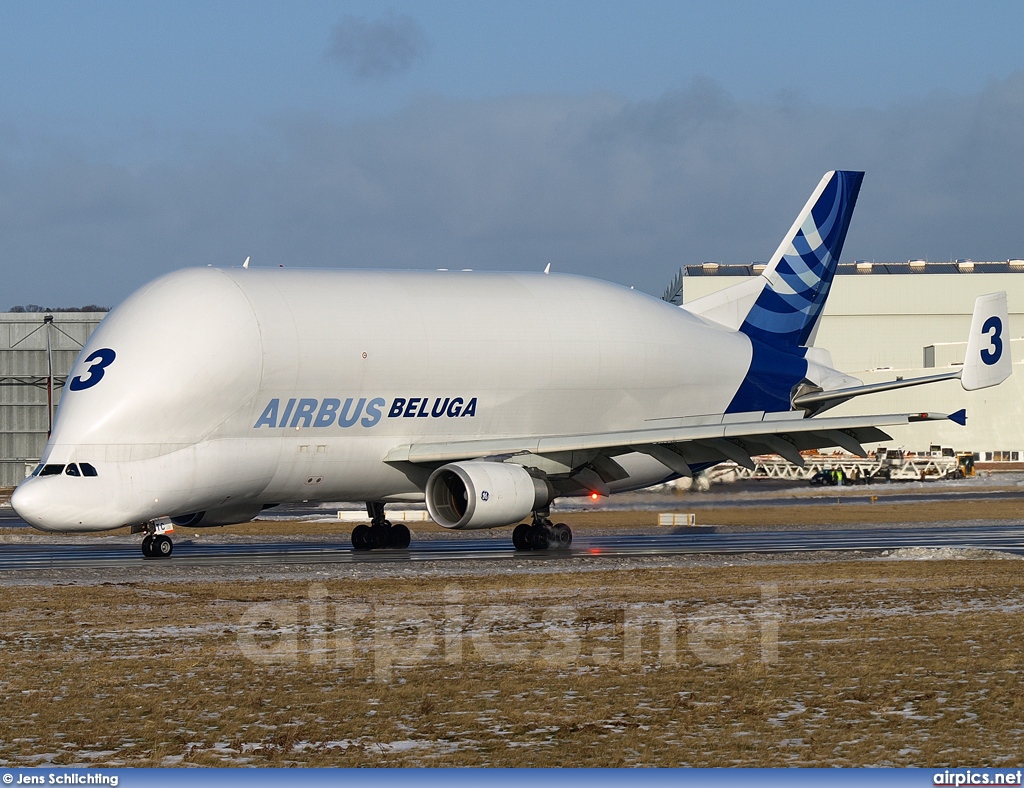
pixel 223 515
pixel 481 494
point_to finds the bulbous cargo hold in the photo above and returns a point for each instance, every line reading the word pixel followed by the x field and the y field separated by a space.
pixel 213 390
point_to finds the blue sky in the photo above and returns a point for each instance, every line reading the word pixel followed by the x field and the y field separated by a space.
pixel 612 139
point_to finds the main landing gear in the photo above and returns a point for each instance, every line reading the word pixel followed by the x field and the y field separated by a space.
pixel 541 534
pixel 380 533
pixel 156 544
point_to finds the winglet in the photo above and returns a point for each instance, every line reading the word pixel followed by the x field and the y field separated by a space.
pixel 960 417
pixel 987 362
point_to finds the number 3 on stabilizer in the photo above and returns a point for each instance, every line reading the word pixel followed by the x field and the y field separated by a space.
pixel 987 362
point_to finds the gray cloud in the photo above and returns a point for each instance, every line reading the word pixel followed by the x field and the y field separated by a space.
pixel 597 185
pixel 380 48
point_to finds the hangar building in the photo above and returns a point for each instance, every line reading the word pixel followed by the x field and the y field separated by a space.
pixel 884 321
pixel 37 351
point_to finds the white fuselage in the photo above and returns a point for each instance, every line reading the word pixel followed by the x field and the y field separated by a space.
pixel 248 387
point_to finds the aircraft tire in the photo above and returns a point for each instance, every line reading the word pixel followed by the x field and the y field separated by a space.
pixel 539 537
pixel 380 536
pixel 147 546
pixel 521 537
pixel 562 534
pixel 399 537
pixel 361 537
pixel 162 546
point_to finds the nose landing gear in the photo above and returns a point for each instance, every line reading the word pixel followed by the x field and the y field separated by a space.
pixel 156 543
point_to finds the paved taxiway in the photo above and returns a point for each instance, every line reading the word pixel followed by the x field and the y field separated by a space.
pixel 1006 538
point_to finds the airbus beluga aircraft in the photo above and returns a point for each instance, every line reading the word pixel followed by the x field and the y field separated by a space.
pixel 211 394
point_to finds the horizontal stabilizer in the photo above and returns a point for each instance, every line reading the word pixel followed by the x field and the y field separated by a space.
pixel 816 401
pixel 987 362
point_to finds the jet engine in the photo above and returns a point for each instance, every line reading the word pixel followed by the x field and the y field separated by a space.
pixel 222 515
pixel 482 494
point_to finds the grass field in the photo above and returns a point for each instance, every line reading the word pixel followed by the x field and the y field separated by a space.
pixel 847 663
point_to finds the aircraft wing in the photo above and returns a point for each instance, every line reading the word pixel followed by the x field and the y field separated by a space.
pixel 589 458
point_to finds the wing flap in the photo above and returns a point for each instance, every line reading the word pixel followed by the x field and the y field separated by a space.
pixel 804 433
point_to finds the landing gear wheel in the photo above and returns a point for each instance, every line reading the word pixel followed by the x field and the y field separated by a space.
pixel 162 546
pixel 361 537
pixel 521 537
pixel 561 535
pixel 380 535
pixel 539 537
pixel 147 546
pixel 400 537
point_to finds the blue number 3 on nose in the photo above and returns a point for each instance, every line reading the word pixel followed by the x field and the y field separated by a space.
pixel 100 360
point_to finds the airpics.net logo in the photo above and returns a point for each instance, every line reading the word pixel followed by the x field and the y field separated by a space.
pixel 977 777
pixel 380 638
pixel 334 412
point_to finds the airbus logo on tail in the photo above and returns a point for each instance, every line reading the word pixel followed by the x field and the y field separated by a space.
pixel 331 411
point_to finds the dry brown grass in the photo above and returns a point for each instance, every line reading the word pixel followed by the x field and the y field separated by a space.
pixel 903 663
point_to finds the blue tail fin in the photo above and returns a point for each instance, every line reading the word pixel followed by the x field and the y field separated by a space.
pixel 799 276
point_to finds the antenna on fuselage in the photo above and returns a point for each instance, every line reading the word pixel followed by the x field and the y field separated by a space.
pixel 547 268
pixel 246 263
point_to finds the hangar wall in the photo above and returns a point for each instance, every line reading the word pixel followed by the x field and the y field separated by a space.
pixel 878 321
pixel 25 369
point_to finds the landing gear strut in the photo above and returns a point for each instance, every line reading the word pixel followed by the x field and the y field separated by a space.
pixel 380 533
pixel 156 544
pixel 541 533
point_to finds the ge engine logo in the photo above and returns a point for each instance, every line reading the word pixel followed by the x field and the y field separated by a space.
pixel 484 496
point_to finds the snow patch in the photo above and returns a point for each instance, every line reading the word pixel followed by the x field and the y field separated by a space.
pixel 946 554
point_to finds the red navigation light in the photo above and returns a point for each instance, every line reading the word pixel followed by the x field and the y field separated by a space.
pixel 593 496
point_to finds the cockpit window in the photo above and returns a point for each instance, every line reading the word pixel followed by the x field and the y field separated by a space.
pixel 87 469
pixel 51 470
pixel 72 470
pixel 35 471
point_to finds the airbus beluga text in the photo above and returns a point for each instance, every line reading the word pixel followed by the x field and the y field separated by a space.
pixel 211 394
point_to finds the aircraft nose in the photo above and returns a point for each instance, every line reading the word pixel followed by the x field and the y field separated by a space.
pixel 29 502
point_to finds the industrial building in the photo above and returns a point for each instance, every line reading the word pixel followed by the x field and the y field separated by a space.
pixel 882 321
pixel 37 350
